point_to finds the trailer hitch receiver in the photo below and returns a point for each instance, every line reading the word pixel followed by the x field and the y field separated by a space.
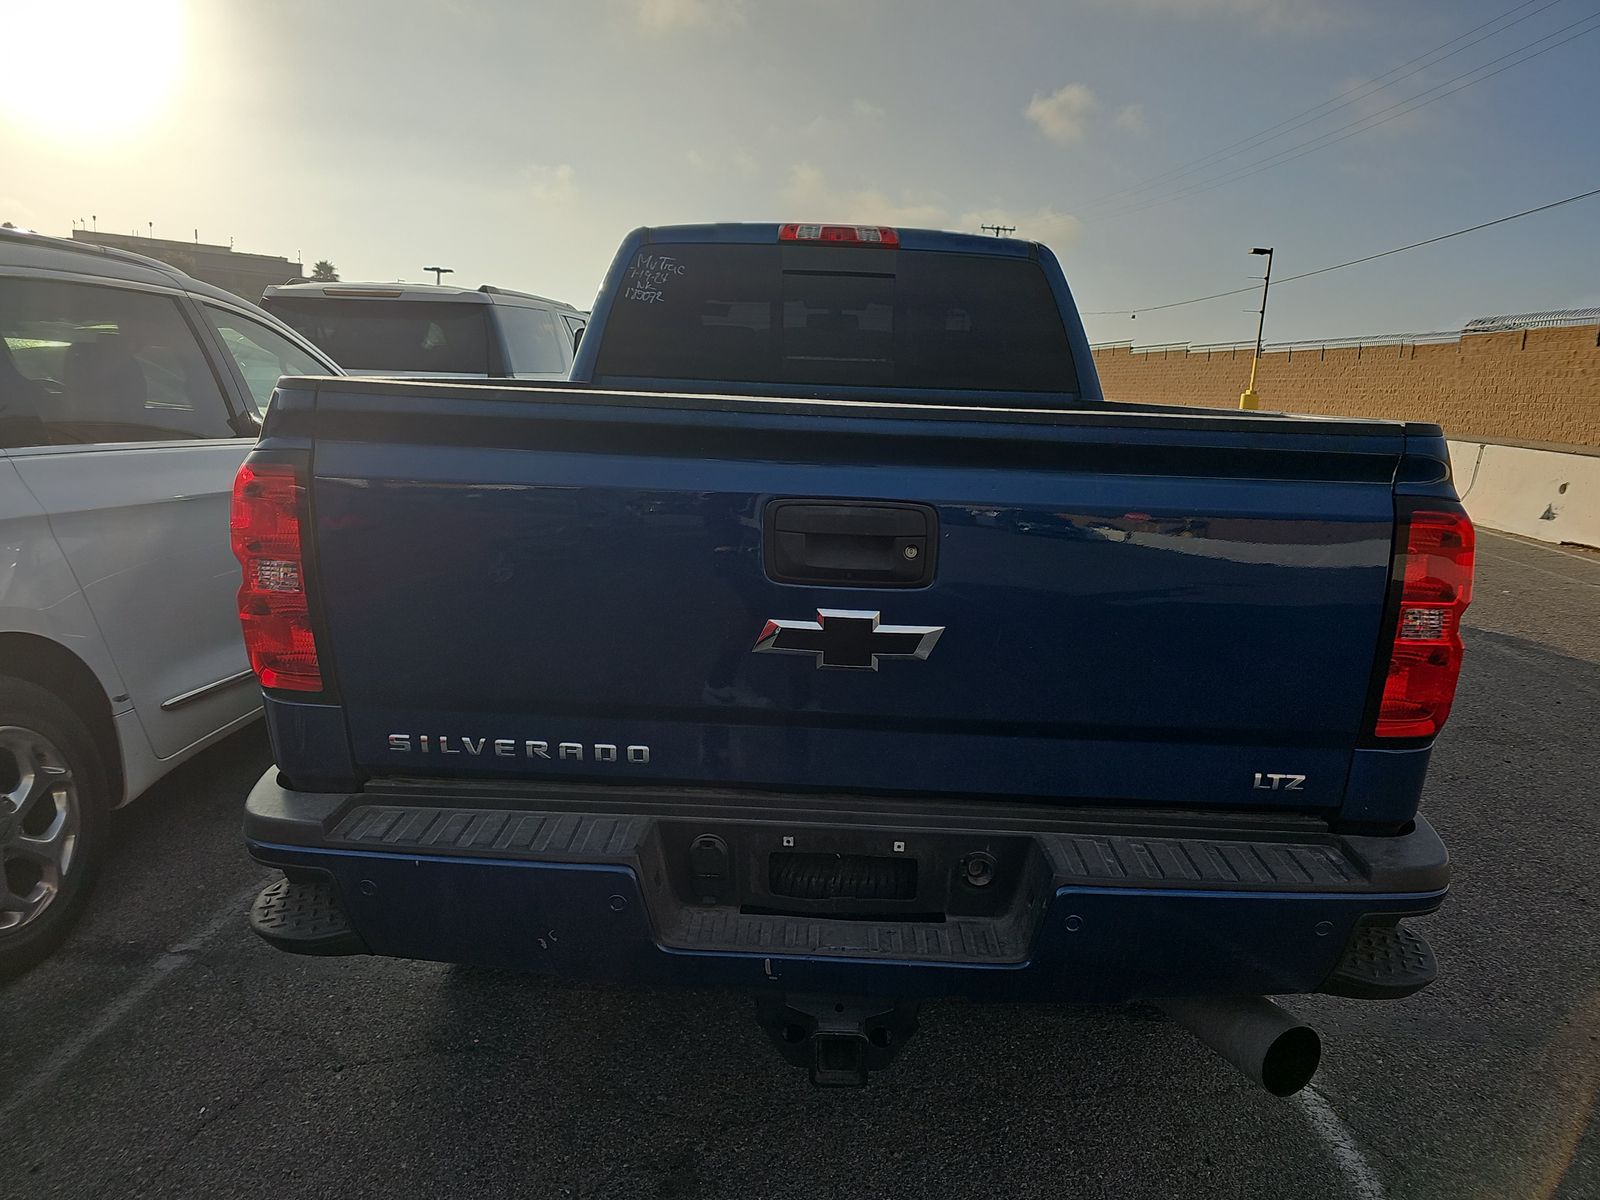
pixel 838 1039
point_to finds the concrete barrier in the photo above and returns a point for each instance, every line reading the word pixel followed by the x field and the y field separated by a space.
pixel 1550 495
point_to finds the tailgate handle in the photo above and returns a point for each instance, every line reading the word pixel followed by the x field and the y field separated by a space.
pixel 851 543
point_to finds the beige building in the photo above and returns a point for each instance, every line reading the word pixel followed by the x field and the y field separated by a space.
pixel 242 274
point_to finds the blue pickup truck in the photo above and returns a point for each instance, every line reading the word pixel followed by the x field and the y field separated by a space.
pixel 829 636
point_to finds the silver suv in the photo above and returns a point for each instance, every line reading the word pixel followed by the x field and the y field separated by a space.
pixel 129 395
pixel 420 329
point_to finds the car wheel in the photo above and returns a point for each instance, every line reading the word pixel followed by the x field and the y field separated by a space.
pixel 54 810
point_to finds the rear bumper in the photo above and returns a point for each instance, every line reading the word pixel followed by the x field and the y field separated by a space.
pixel 1086 905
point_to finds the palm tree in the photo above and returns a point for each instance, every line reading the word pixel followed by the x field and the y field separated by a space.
pixel 323 271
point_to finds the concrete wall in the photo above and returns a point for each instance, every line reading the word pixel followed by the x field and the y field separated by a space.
pixel 1543 494
pixel 1535 385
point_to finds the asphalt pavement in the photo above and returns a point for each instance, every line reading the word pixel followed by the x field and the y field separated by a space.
pixel 165 1051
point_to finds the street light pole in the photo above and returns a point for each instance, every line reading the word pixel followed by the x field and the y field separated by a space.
pixel 439 272
pixel 1249 399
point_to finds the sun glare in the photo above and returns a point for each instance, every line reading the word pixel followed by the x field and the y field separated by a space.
pixel 89 69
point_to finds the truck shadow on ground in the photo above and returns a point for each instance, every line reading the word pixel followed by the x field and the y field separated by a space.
pixel 679 1093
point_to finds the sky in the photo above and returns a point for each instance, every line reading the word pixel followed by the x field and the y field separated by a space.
pixel 517 142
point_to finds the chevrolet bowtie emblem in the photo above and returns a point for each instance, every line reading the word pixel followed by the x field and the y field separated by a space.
pixel 848 638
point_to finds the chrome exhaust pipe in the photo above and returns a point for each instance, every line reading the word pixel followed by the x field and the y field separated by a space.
pixel 1266 1043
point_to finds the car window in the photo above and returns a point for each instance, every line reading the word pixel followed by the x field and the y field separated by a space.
pixel 262 353
pixel 390 336
pixel 90 364
pixel 532 343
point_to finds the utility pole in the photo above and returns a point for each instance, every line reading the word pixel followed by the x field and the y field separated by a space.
pixel 1249 399
pixel 998 230
pixel 440 272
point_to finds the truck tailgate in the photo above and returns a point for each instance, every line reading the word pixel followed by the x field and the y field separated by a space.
pixel 524 582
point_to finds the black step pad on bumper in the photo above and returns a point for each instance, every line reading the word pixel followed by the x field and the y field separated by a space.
pixel 1283 863
pixel 304 917
pixel 1383 962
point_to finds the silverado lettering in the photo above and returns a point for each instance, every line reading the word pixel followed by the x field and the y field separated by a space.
pixel 601 752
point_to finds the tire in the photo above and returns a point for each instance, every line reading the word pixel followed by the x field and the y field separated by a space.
pixel 53 826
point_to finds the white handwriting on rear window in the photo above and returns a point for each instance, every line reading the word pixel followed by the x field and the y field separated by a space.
pixel 648 276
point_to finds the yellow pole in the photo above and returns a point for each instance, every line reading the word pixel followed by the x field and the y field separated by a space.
pixel 1248 398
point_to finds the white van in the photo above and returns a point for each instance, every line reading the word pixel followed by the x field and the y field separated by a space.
pixel 129 395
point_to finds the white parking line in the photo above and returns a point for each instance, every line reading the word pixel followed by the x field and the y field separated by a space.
pixel 1592 559
pixel 1361 1180
pixel 112 1014
pixel 1528 566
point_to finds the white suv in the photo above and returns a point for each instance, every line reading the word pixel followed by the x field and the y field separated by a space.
pixel 129 395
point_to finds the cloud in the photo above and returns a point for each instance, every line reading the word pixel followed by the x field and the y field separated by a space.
pixel 735 161
pixel 1063 115
pixel 550 186
pixel 15 210
pixel 812 198
pixel 820 128
pixel 666 16
pixel 1298 15
pixel 831 126
pixel 1130 119
pixel 1058 230
pixel 1374 102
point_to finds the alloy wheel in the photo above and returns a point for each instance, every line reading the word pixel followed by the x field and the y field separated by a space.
pixel 39 821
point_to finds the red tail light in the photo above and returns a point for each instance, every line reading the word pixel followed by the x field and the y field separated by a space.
pixel 1436 587
pixel 272 599
pixel 847 235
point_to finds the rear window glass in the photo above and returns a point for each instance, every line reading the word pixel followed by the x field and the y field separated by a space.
pixel 820 315
pixel 397 336
pixel 532 341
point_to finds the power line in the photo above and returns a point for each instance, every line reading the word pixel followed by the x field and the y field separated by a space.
pixel 1372 121
pixel 1527 212
pixel 1343 100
